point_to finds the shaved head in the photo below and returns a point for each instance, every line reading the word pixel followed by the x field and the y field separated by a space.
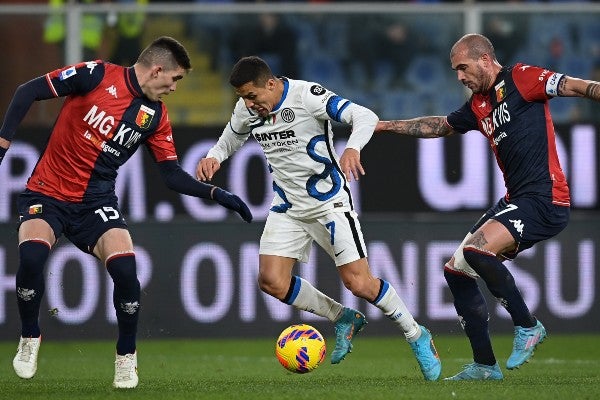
pixel 475 46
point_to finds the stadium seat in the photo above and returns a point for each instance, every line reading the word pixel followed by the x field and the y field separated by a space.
pixel 324 69
pixel 447 101
pixel 426 74
pixel 402 104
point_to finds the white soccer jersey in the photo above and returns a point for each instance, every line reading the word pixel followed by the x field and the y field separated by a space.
pixel 297 141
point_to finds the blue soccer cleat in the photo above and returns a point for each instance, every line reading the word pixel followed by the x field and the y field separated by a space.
pixel 427 356
pixel 526 340
pixel 349 324
pixel 478 372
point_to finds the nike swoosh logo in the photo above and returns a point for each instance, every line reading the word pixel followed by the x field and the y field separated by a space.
pixel 337 254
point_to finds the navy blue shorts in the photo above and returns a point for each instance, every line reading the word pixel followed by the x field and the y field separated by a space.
pixel 529 220
pixel 81 223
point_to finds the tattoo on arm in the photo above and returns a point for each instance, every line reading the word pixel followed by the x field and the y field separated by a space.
pixel 578 87
pixel 593 91
pixel 562 86
pixel 423 127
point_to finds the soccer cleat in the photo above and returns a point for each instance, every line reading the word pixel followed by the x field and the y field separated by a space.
pixel 478 372
pixel 526 340
pixel 427 356
pixel 349 324
pixel 25 362
pixel 126 374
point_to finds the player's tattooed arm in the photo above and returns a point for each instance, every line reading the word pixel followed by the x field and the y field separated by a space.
pixel 575 87
pixel 422 127
pixel 593 91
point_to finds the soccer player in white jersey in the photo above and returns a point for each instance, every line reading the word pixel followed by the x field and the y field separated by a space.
pixel 291 120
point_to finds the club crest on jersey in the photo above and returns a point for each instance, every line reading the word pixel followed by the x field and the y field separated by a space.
pixel 500 91
pixel 67 73
pixel 144 117
pixel 287 115
pixel 35 209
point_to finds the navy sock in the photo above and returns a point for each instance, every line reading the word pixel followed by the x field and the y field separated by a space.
pixel 126 299
pixel 501 284
pixel 472 310
pixel 30 284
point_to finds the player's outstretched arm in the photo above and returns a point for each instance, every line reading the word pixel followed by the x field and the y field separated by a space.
pixel 422 127
pixel 180 181
pixel 575 87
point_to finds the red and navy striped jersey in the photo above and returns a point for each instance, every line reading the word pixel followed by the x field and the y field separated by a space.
pixel 104 119
pixel 514 116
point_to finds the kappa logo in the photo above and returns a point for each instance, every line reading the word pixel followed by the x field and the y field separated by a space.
pixel 519 226
pixel 112 90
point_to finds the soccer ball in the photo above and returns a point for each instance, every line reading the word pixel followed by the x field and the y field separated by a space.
pixel 300 348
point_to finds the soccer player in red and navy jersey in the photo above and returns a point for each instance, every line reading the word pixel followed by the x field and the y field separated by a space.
pixel 509 106
pixel 109 111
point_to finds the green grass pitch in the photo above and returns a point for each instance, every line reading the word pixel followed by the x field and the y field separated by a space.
pixel 564 367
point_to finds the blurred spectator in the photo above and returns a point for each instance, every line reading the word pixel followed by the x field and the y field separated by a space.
pixel 507 32
pixel 92 29
pixel 129 27
pixel 270 37
pixel 384 48
pixel 212 33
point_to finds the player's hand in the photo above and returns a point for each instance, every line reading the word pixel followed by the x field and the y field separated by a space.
pixel 206 169
pixel 350 164
pixel 232 202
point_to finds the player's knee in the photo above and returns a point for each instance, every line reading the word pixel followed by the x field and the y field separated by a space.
pixel 362 288
pixel 273 285
pixel 123 271
pixel 478 259
pixel 32 256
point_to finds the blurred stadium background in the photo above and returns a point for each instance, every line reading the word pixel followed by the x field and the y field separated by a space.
pixel 198 264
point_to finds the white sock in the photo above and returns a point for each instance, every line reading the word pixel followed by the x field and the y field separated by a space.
pixel 308 298
pixel 394 308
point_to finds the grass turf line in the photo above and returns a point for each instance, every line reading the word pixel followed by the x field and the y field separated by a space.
pixel 564 367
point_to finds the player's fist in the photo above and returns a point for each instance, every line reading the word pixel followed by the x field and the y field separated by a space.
pixel 206 168
pixel 232 202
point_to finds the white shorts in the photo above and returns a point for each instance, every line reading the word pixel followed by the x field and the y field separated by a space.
pixel 338 233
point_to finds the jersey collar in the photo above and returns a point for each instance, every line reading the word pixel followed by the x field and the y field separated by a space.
pixel 132 83
pixel 286 86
